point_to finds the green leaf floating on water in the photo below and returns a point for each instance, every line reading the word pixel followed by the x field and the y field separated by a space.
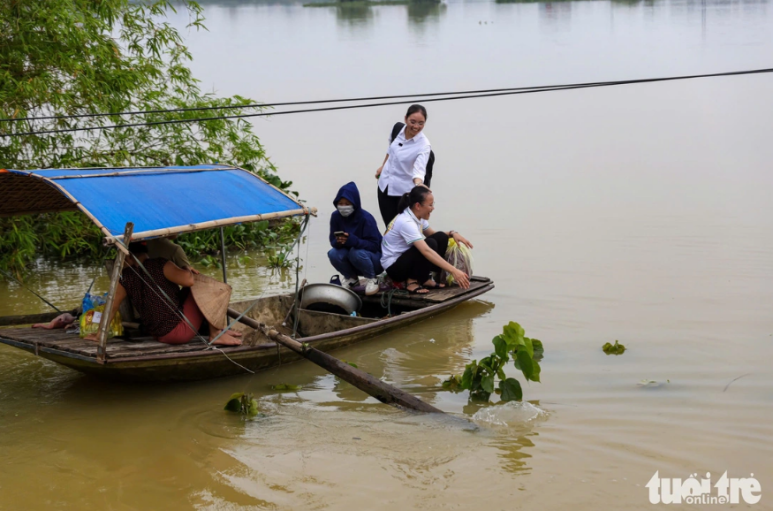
pixel 234 404
pixel 613 349
pixel 242 403
pixel 286 386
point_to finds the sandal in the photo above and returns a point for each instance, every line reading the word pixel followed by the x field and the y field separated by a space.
pixel 417 290
pixel 434 285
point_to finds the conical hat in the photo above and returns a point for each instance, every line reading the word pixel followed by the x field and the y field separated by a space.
pixel 212 297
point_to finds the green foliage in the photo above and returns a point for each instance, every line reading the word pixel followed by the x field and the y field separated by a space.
pixel 613 349
pixel 286 386
pixel 204 246
pixel 279 259
pixel 70 57
pixel 242 403
pixel 480 377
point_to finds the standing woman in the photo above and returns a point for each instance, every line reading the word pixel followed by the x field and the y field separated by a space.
pixel 405 164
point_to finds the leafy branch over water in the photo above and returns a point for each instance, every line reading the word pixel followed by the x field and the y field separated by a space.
pixel 480 377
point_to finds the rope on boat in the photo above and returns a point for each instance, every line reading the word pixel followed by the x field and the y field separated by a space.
pixel 371 98
pixel 445 96
pixel 12 277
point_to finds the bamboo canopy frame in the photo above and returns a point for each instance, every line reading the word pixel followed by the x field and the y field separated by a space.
pixel 45 191
pixel 51 190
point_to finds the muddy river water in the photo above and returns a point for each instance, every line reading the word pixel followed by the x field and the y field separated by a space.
pixel 639 213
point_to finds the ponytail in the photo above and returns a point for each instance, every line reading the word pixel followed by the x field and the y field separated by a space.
pixel 404 202
pixel 415 196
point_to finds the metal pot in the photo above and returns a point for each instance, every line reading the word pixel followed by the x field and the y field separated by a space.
pixel 329 298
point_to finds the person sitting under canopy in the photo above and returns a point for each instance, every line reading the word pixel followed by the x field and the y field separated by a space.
pixel 164 300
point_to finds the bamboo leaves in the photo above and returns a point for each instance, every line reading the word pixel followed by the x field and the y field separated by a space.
pixel 109 56
pixel 480 377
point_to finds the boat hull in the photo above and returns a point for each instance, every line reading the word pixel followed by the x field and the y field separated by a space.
pixel 212 363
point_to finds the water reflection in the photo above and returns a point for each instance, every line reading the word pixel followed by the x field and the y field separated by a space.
pixel 354 14
pixel 420 13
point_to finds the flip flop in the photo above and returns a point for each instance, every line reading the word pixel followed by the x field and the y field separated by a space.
pixel 435 285
pixel 417 290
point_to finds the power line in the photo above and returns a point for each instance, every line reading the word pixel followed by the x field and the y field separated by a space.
pixel 457 95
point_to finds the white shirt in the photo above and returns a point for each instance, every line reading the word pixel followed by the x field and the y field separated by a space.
pixel 401 233
pixel 407 160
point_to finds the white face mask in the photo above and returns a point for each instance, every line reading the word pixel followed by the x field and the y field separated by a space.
pixel 345 210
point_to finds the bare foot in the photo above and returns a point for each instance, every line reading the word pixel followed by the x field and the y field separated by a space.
pixel 226 340
pixel 235 333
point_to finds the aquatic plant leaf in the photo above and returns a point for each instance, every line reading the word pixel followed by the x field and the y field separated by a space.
pixel 487 383
pixel 539 350
pixel 253 408
pixel 613 349
pixel 535 370
pixel 500 347
pixel 234 405
pixel 453 382
pixel 529 347
pixel 467 378
pixel 511 390
pixel 526 363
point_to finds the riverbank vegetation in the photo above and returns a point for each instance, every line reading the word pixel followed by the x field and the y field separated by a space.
pixel 73 57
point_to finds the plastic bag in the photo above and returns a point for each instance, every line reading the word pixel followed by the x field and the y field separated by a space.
pixel 90 319
pixel 459 256
pixel 90 301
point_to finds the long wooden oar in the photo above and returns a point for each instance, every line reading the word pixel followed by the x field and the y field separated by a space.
pixel 360 379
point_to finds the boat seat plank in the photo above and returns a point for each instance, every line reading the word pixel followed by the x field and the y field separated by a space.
pixel 434 296
pixel 116 347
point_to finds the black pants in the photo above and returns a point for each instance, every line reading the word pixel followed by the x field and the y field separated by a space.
pixel 387 205
pixel 413 265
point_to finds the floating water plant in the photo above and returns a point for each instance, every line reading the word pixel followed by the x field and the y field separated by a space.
pixel 613 349
pixel 242 403
pixel 480 377
pixel 286 386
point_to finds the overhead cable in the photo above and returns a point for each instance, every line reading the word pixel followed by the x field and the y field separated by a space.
pixel 445 97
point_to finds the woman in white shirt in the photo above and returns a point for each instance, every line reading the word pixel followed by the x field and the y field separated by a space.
pixel 411 249
pixel 405 164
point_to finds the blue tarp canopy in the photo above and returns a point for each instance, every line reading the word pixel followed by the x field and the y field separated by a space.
pixel 159 200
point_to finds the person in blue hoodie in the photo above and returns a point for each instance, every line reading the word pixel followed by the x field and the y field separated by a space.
pixel 355 239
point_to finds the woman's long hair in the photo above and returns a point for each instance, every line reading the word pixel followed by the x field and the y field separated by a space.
pixel 415 196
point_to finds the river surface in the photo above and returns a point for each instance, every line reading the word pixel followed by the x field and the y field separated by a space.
pixel 640 213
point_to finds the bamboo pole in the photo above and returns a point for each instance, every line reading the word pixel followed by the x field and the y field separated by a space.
pixel 222 254
pixel 167 231
pixel 367 383
pixel 103 324
pixel 145 172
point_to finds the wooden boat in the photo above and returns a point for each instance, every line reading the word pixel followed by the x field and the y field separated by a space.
pixel 146 211
pixel 143 359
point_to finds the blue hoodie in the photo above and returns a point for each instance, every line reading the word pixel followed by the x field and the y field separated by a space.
pixel 361 226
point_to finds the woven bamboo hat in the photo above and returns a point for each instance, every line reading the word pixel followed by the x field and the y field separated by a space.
pixel 212 297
